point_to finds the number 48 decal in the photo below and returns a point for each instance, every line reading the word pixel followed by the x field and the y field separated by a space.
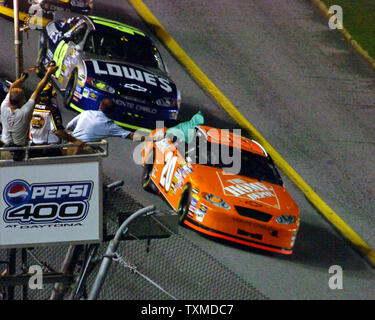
pixel 167 172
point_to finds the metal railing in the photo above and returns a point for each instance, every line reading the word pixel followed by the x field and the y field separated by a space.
pixel 90 149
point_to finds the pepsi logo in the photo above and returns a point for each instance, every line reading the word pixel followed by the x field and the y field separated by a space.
pixel 17 193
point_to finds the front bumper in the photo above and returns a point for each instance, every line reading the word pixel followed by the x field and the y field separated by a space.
pixel 126 113
pixel 235 228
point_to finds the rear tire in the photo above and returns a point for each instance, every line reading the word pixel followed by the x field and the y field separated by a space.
pixel 184 204
pixel 147 183
pixel 70 88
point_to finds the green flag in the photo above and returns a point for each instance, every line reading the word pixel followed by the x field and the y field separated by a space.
pixel 185 130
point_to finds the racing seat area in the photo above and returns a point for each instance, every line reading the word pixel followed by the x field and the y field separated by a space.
pixel 108 47
pixel 198 150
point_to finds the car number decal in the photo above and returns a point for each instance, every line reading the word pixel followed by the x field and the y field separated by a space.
pixel 167 172
pixel 59 56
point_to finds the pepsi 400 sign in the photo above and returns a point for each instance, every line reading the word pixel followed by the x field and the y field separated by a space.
pixel 46 203
pixel 38 211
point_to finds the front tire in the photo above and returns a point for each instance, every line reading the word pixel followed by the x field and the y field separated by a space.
pixel 184 204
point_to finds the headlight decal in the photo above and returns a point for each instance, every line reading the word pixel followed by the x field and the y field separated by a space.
pixel 286 219
pixel 101 85
pixel 217 201
pixel 166 102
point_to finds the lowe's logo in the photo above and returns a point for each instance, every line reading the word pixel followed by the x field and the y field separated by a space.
pixel 46 202
pixel 104 68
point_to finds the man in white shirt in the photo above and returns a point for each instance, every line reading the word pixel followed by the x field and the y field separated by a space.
pixel 95 125
pixel 16 114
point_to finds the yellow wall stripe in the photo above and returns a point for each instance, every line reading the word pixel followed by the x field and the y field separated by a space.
pixel 324 9
pixel 197 74
pixel 22 15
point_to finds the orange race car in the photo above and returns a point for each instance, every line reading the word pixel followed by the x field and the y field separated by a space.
pixel 248 205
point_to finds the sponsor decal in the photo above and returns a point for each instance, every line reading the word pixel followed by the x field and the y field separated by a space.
pixel 146 109
pixel 192 211
pixel 116 70
pixel 185 169
pixel 172 190
pixel 37 121
pixel 79 89
pixel 255 191
pixel 194 202
pixel 175 185
pixel 93 96
pixel 178 179
pixel 203 209
pixel 201 213
pixel 46 203
pixel 135 87
pixel 136 107
pixel 85 93
pixel 253 203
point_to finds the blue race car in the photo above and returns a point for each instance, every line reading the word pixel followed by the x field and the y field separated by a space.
pixel 100 58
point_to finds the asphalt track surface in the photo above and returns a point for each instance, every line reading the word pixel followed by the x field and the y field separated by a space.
pixel 309 94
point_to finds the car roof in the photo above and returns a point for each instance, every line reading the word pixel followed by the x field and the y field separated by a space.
pixel 103 23
pixel 216 135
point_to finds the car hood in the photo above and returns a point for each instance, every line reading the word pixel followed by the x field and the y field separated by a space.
pixel 129 78
pixel 243 191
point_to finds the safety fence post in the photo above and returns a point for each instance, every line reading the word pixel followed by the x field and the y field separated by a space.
pixel 112 248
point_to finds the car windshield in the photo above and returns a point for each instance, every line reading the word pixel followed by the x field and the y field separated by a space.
pixel 233 160
pixel 134 49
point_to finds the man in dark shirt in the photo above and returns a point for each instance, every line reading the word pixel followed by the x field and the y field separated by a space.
pixel 46 126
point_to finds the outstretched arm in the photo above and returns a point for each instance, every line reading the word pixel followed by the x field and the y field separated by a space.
pixel 43 82
pixel 136 136
pixel 24 75
pixel 63 135
pixel 19 81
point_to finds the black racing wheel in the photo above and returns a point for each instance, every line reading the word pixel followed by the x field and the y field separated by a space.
pixel 184 204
